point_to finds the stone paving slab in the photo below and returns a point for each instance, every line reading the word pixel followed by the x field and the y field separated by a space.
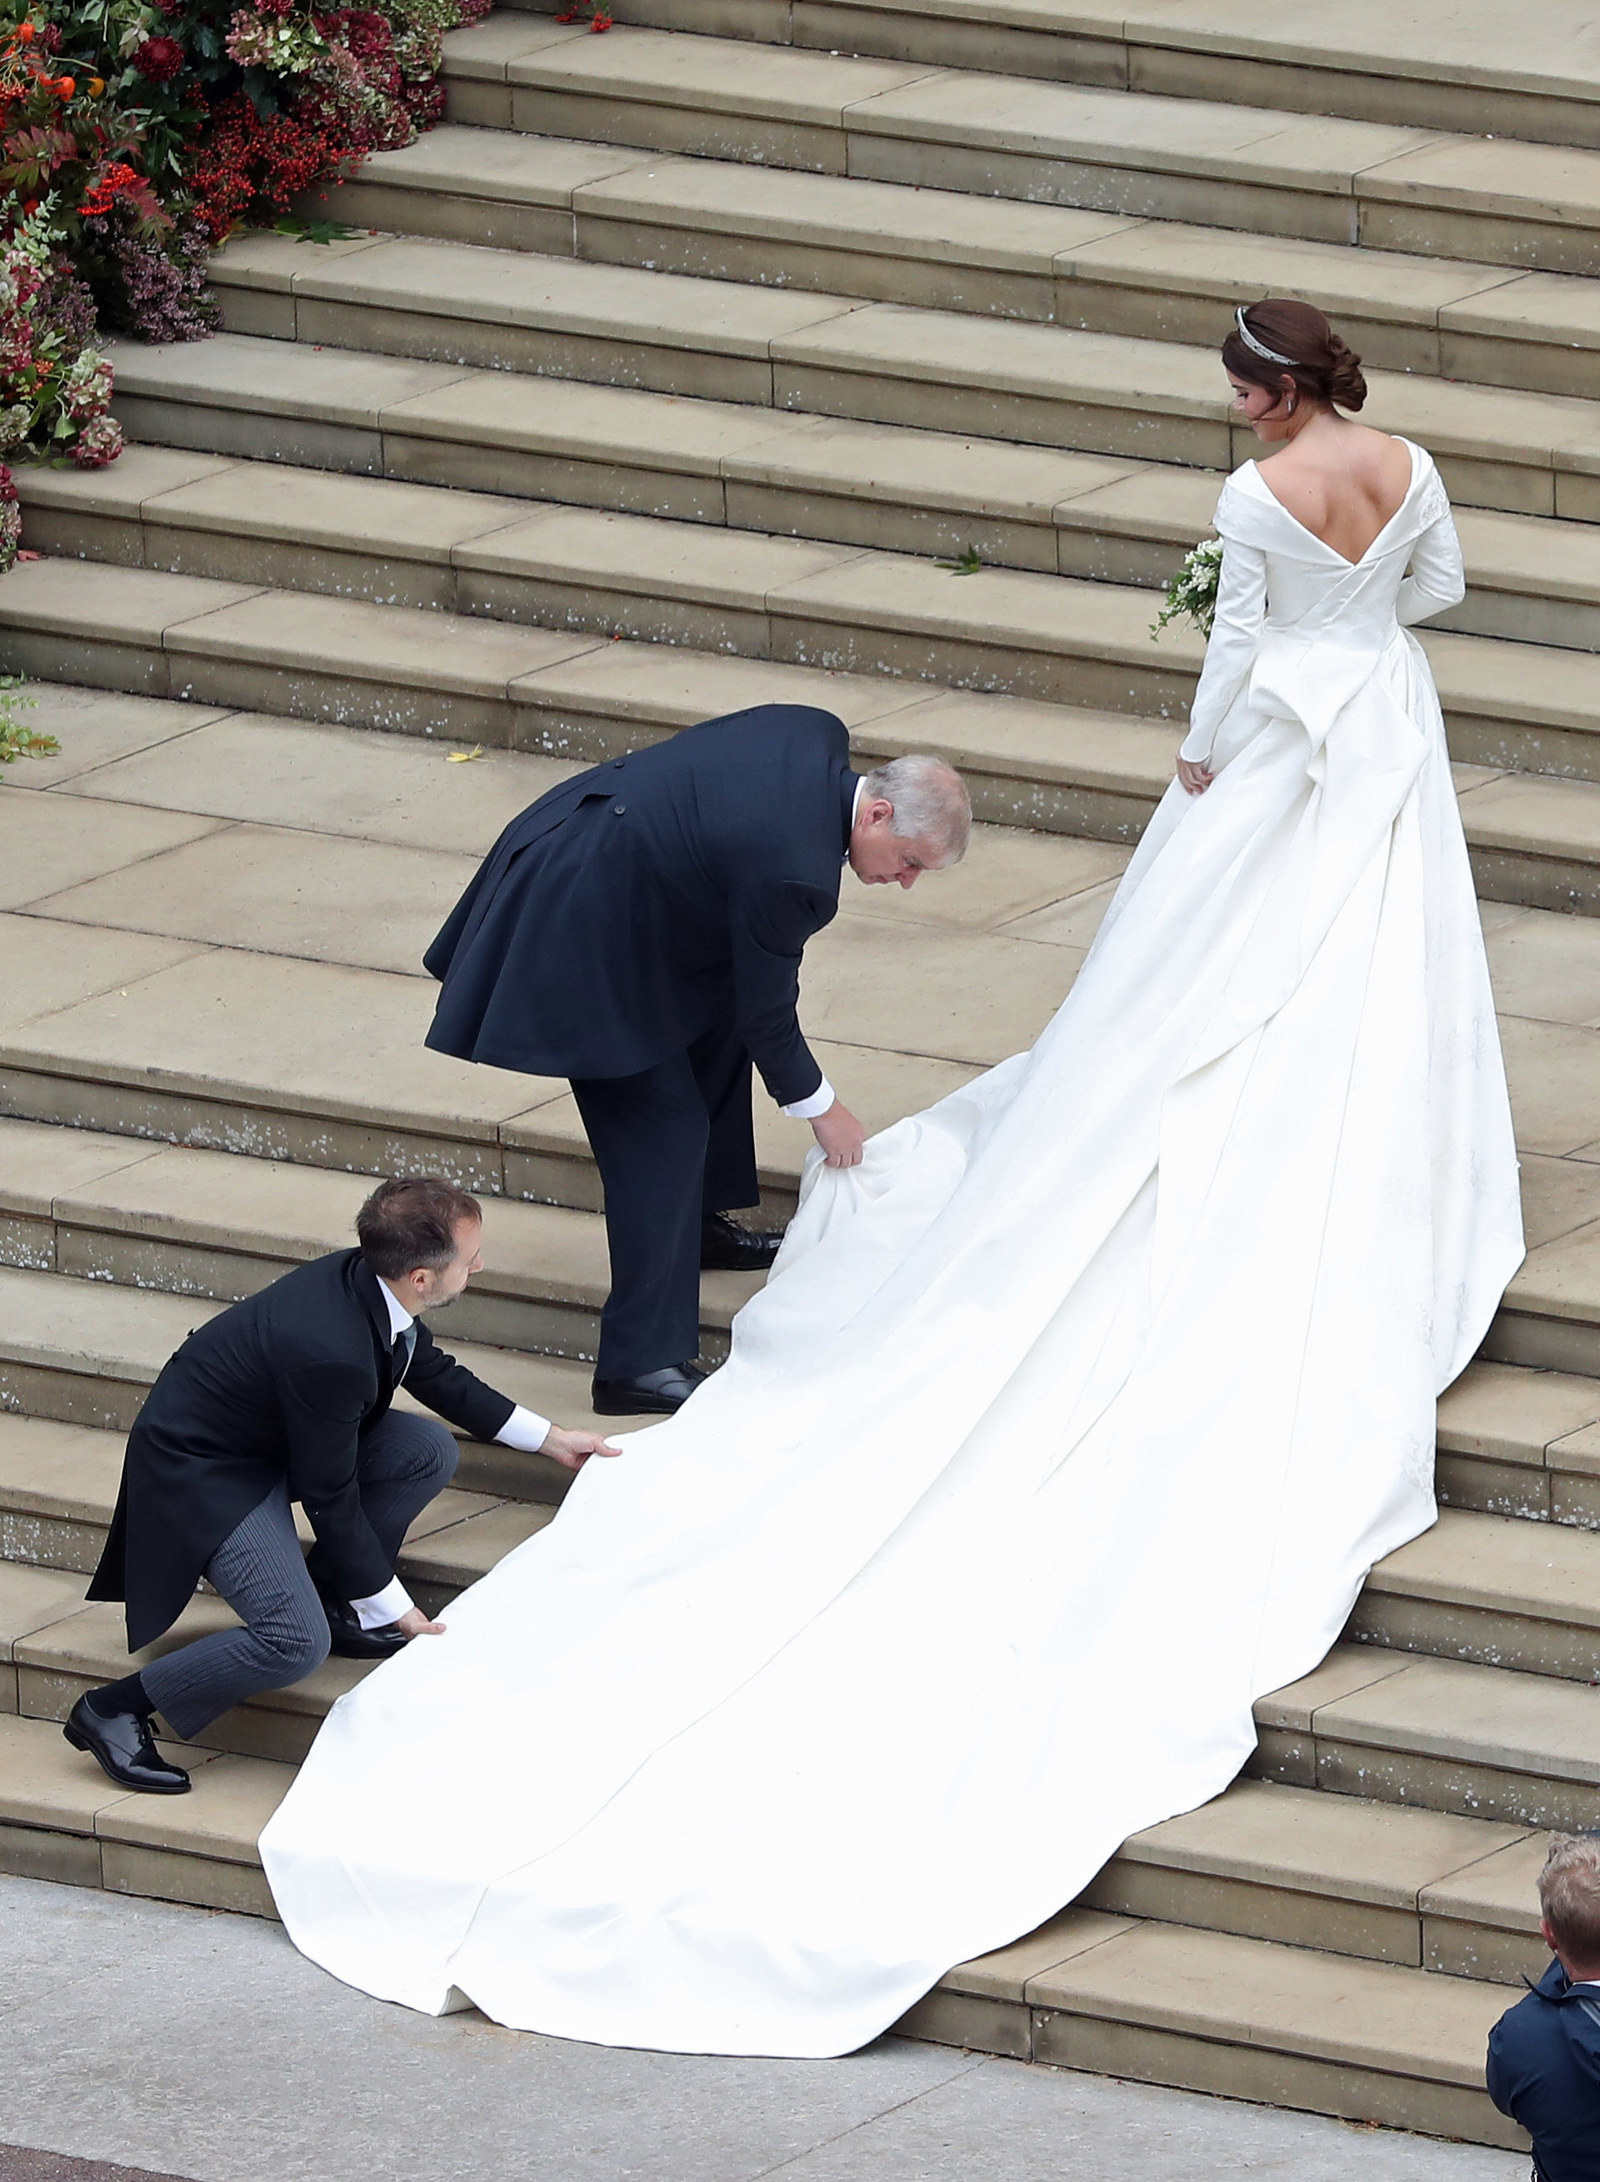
pixel 363 903
pixel 54 841
pixel 356 1052
pixel 452 2100
pixel 353 782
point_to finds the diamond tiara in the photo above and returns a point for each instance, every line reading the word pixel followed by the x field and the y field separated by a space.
pixel 1258 348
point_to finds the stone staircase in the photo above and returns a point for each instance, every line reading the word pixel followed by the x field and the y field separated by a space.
pixel 860 352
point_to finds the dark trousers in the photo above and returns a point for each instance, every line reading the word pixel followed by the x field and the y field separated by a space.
pixel 672 1143
pixel 259 1569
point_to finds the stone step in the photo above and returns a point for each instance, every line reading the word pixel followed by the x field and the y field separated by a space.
pixel 1447 1893
pixel 447 303
pixel 536 597
pixel 1150 2000
pixel 938 249
pixel 1390 1727
pixel 1455 71
pixel 1426 1889
pixel 1439 1734
pixel 1134 154
pixel 166 843
pixel 482 682
pixel 1243 2018
pixel 628 451
pixel 1494 1590
pixel 77 1359
pixel 105 1208
pixel 1515 1442
pixel 58 1487
pixel 1430 1890
pixel 63 1821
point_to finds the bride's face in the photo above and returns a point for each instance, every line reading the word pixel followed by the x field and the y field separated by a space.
pixel 1267 413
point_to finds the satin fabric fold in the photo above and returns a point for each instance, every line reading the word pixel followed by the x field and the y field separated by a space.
pixel 1066 1427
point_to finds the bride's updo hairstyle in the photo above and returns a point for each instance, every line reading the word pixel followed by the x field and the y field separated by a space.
pixel 1300 343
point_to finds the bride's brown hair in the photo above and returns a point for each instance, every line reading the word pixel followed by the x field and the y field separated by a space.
pixel 1322 366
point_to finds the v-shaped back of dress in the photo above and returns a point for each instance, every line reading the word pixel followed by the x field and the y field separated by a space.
pixel 1311 587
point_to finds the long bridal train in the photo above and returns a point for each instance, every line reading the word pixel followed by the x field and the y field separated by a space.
pixel 1067 1425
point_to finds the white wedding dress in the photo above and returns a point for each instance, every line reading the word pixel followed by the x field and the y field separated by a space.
pixel 1066 1426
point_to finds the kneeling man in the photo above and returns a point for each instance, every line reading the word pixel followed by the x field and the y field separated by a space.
pixel 282 1398
pixel 639 931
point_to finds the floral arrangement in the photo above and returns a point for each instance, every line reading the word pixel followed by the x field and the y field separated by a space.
pixel 1192 593
pixel 55 388
pixel 135 135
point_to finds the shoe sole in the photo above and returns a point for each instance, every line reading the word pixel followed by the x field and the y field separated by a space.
pixel 135 1787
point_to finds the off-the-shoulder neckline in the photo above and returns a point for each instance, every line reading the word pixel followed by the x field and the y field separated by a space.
pixel 1344 560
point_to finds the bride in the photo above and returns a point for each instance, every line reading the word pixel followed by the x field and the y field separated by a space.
pixel 1067 1425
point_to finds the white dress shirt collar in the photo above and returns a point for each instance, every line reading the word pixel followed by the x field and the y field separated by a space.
pixel 855 812
pixel 399 1317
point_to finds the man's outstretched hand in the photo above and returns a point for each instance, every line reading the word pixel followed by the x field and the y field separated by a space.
pixel 840 1135
pixel 573 1449
pixel 415 1622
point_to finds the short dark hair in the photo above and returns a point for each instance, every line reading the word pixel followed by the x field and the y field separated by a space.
pixel 412 1222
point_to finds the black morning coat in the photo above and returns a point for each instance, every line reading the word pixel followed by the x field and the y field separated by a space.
pixel 653 899
pixel 281 1385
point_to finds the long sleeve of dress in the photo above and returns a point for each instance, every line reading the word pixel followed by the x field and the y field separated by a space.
pixel 1437 578
pixel 1231 648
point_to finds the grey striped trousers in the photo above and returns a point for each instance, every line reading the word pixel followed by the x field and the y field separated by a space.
pixel 260 1570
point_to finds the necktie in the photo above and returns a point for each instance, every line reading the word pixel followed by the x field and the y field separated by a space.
pixel 401 1354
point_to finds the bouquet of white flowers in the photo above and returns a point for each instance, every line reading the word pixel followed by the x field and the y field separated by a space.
pixel 1193 590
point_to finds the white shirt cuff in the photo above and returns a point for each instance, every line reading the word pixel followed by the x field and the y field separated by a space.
pixel 524 1428
pixel 818 1103
pixel 383 1607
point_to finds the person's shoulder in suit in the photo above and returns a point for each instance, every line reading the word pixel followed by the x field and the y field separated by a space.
pixel 1544 2071
pixel 762 731
pixel 315 1310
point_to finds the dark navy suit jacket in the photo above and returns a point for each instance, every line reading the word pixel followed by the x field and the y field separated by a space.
pixel 653 899
pixel 1544 2071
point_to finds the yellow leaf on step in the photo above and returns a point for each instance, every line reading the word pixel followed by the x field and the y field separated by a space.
pixel 463 757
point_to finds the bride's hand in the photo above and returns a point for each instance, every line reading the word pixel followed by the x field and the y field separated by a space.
pixel 1194 779
pixel 573 1449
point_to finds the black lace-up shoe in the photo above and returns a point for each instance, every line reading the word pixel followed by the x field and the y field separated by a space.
pixel 726 1247
pixel 649 1394
pixel 348 1640
pixel 125 1749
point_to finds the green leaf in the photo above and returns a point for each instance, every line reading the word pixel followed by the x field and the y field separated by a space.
pixel 967 564
pixel 318 231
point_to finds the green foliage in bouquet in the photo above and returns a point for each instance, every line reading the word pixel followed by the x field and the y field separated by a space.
pixel 1192 593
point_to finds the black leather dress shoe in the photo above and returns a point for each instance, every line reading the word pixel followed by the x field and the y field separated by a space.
pixel 350 1641
pixel 125 1749
pixel 726 1247
pixel 650 1394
